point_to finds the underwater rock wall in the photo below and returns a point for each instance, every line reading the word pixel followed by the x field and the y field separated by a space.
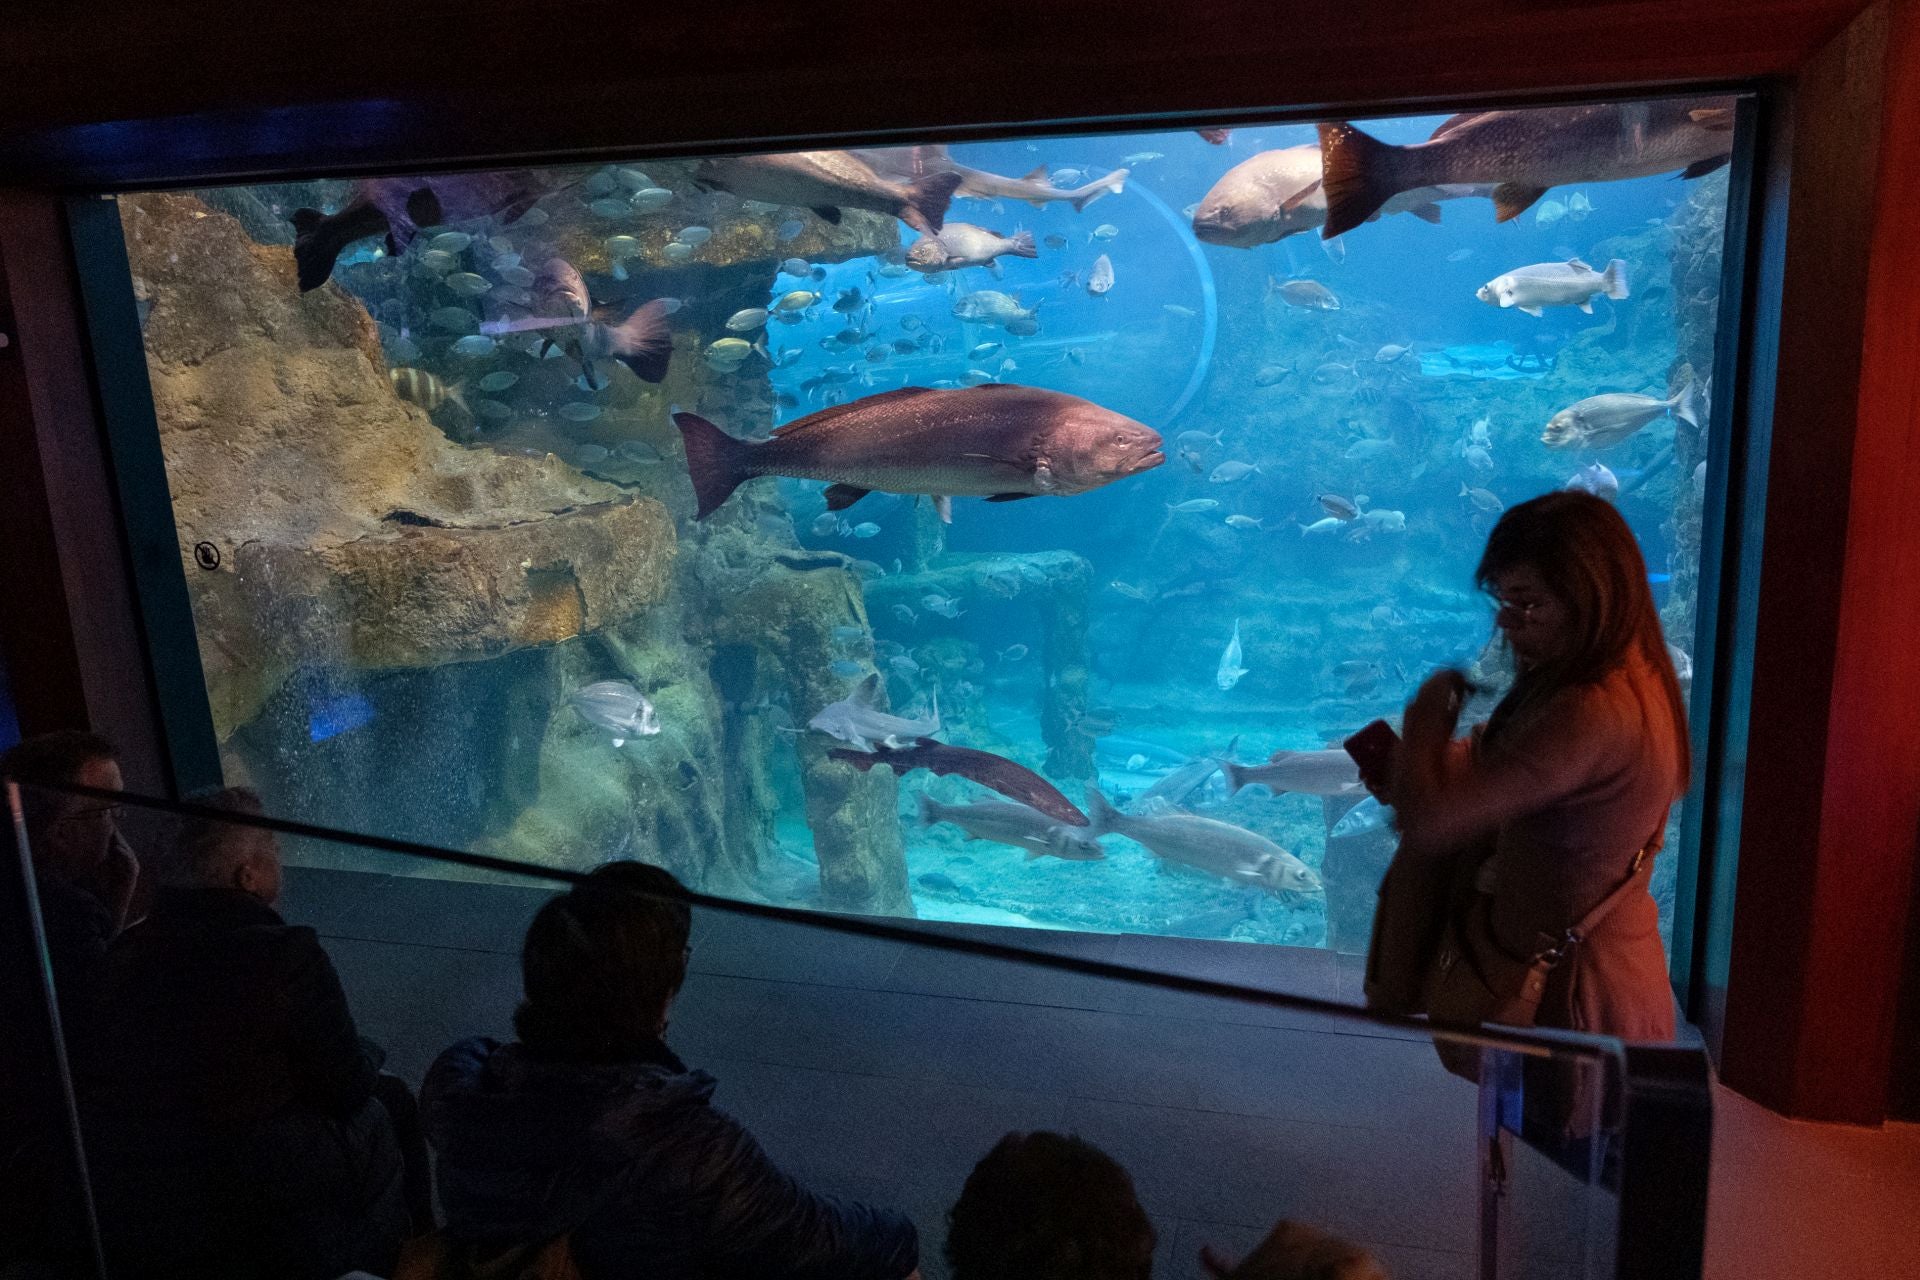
pixel 370 557
pixel 349 528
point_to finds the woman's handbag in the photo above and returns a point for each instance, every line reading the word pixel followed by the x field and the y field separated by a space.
pixel 1408 923
pixel 1473 980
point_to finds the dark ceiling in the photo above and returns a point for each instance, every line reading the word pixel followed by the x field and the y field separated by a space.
pixel 119 92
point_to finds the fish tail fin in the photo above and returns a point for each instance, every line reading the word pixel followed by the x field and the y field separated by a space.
pixel 716 462
pixel 1614 278
pixel 1113 184
pixel 1686 404
pixel 1358 175
pixel 643 343
pixel 318 240
pixel 1101 815
pixel 1236 776
pixel 925 209
pixel 1023 246
pixel 929 809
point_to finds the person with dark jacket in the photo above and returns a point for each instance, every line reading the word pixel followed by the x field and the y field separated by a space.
pixel 85 877
pixel 230 1116
pixel 589 1125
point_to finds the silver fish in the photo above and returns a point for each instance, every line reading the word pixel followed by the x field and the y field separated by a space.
pixel 617 707
pixel 905 164
pixel 1024 828
pixel 1554 284
pixel 1599 422
pixel 1314 773
pixel 961 244
pixel 1218 848
pixel 858 721
pixel 1230 670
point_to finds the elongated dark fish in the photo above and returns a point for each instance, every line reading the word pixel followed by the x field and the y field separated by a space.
pixel 1524 152
pixel 398 207
pixel 998 441
pixel 906 164
pixel 1008 777
pixel 829 181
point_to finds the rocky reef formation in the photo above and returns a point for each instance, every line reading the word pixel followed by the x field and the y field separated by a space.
pixel 348 528
pixel 404 599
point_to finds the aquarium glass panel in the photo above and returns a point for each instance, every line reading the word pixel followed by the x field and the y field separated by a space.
pixel 1008 532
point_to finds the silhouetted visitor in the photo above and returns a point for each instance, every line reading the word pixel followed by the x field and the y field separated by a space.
pixel 231 1116
pixel 1295 1251
pixel 590 1127
pixel 1048 1206
pixel 87 874
pixel 1562 798
pixel 86 877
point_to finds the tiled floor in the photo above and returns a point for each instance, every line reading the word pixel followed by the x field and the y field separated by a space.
pixel 882 1070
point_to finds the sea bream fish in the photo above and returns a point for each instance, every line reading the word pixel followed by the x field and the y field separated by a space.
pixel 1100 279
pixel 1000 441
pixel 1029 830
pixel 1524 152
pixel 1009 777
pixel 1276 194
pixel 617 707
pixel 398 207
pixel 990 306
pixel 961 244
pixel 1600 422
pixel 829 181
pixel 1314 773
pixel 858 720
pixel 642 341
pixel 1554 284
pixel 1230 669
pixel 1205 844
pixel 906 164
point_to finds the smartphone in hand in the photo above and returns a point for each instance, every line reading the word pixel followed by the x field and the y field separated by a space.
pixel 1372 749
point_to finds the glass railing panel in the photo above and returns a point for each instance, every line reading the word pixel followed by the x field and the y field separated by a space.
pixel 872 1061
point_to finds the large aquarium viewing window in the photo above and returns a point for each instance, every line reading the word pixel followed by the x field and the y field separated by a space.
pixel 1007 532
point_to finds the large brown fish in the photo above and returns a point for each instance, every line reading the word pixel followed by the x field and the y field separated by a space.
pixel 1524 152
pixel 1276 194
pixel 998 441
pixel 398 207
pixel 1010 778
pixel 829 181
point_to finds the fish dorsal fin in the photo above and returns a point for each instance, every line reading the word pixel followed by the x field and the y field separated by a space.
pixel 840 410
pixel 868 694
pixel 1039 174
pixel 1454 122
pixel 1578 265
pixel 1299 197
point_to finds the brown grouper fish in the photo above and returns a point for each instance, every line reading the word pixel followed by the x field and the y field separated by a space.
pixel 1524 152
pixel 398 207
pixel 997 441
pixel 1010 779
